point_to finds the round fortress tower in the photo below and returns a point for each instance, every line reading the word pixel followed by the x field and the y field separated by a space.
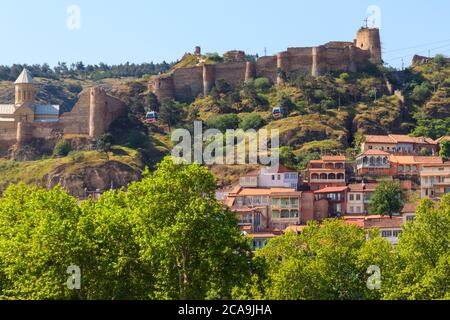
pixel 97 112
pixel 369 39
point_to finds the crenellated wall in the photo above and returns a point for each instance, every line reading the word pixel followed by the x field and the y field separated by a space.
pixel 335 56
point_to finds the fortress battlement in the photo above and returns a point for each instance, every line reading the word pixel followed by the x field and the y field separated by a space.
pixel 335 56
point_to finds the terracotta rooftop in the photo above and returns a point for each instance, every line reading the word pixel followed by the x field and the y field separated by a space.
pixel 375 153
pixel 331 190
pixel 359 187
pixel 415 160
pixel 398 138
pixel 371 222
pixel 334 158
pixel 409 208
pixel 279 169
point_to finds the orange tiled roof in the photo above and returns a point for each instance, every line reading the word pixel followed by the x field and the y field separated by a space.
pixel 267 191
pixel 409 208
pixel 415 160
pixel 398 138
pixel 379 139
pixel 442 139
pixel 359 187
pixel 334 158
pixel 331 190
pixel 375 153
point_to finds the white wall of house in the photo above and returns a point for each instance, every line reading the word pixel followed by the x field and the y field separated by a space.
pixel 278 180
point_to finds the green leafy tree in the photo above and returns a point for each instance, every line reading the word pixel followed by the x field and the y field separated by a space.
pixel 192 244
pixel 62 148
pixel 38 242
pixel 223 122
pixel 445 149
pixel 251 121
pixel 423 266
pixel 323 263
pixel 386 199
pixel 171 112
pixel 104 143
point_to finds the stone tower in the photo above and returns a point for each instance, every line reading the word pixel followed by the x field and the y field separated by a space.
pixel 25 89
pixel 209 78
pixel 369 39
pixel 97 112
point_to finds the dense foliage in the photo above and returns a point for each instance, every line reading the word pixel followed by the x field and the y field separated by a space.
pixel 168 238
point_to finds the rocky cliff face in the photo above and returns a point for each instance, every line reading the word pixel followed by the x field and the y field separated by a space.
pixel 91 178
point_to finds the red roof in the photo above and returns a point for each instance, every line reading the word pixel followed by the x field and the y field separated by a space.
pixel 375 153
pixel 334 158
pixel 359 187
pixel 331 190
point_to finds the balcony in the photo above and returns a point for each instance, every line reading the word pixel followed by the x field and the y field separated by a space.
pixel 328 180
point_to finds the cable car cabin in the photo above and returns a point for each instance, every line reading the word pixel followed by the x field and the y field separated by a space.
pixel 151 117
pixel 277 113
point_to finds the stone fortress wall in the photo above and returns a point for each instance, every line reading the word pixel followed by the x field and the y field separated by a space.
pixel 91 116
pixel 187 83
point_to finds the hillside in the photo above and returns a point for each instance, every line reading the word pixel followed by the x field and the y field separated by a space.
pixel 327 114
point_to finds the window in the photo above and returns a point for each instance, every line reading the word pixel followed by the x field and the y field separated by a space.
pixel 287 176
pixel 285 214
pixel 352 209
pixel 386 234
pixel 275 202
pixel 275 214
pixel 273 178
pixel 294 202
pixel 285 203
pixel 397 233
pixel 358 197
pixel 358 210
pixel 352 197
pixel 294 214
pixel 410 218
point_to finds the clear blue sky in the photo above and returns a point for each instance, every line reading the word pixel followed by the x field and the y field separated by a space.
pixel 116 31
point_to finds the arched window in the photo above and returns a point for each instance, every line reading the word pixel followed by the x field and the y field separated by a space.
pixel 323 176
pixel 365 160
pixel 385 161
pixel 378 160
pixel 331 176
pixel 340 176
pixel 315 176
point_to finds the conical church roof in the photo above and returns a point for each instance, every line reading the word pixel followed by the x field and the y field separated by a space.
pixel 24 77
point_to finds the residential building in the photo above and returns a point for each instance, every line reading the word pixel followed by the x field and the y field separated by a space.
pixel 358 198
pixel 376 163
pixel 390 229
pixel 278 177
pixel 373 163
pixel 435 180
pixel 268 209
pixel 399 144
pixel 336 198
pixel 327 172
pixel 409 212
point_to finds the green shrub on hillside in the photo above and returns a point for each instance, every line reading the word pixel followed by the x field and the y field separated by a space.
pixel 62 148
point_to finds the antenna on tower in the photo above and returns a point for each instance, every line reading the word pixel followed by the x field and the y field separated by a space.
pixel 366 21
pixel 265 51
